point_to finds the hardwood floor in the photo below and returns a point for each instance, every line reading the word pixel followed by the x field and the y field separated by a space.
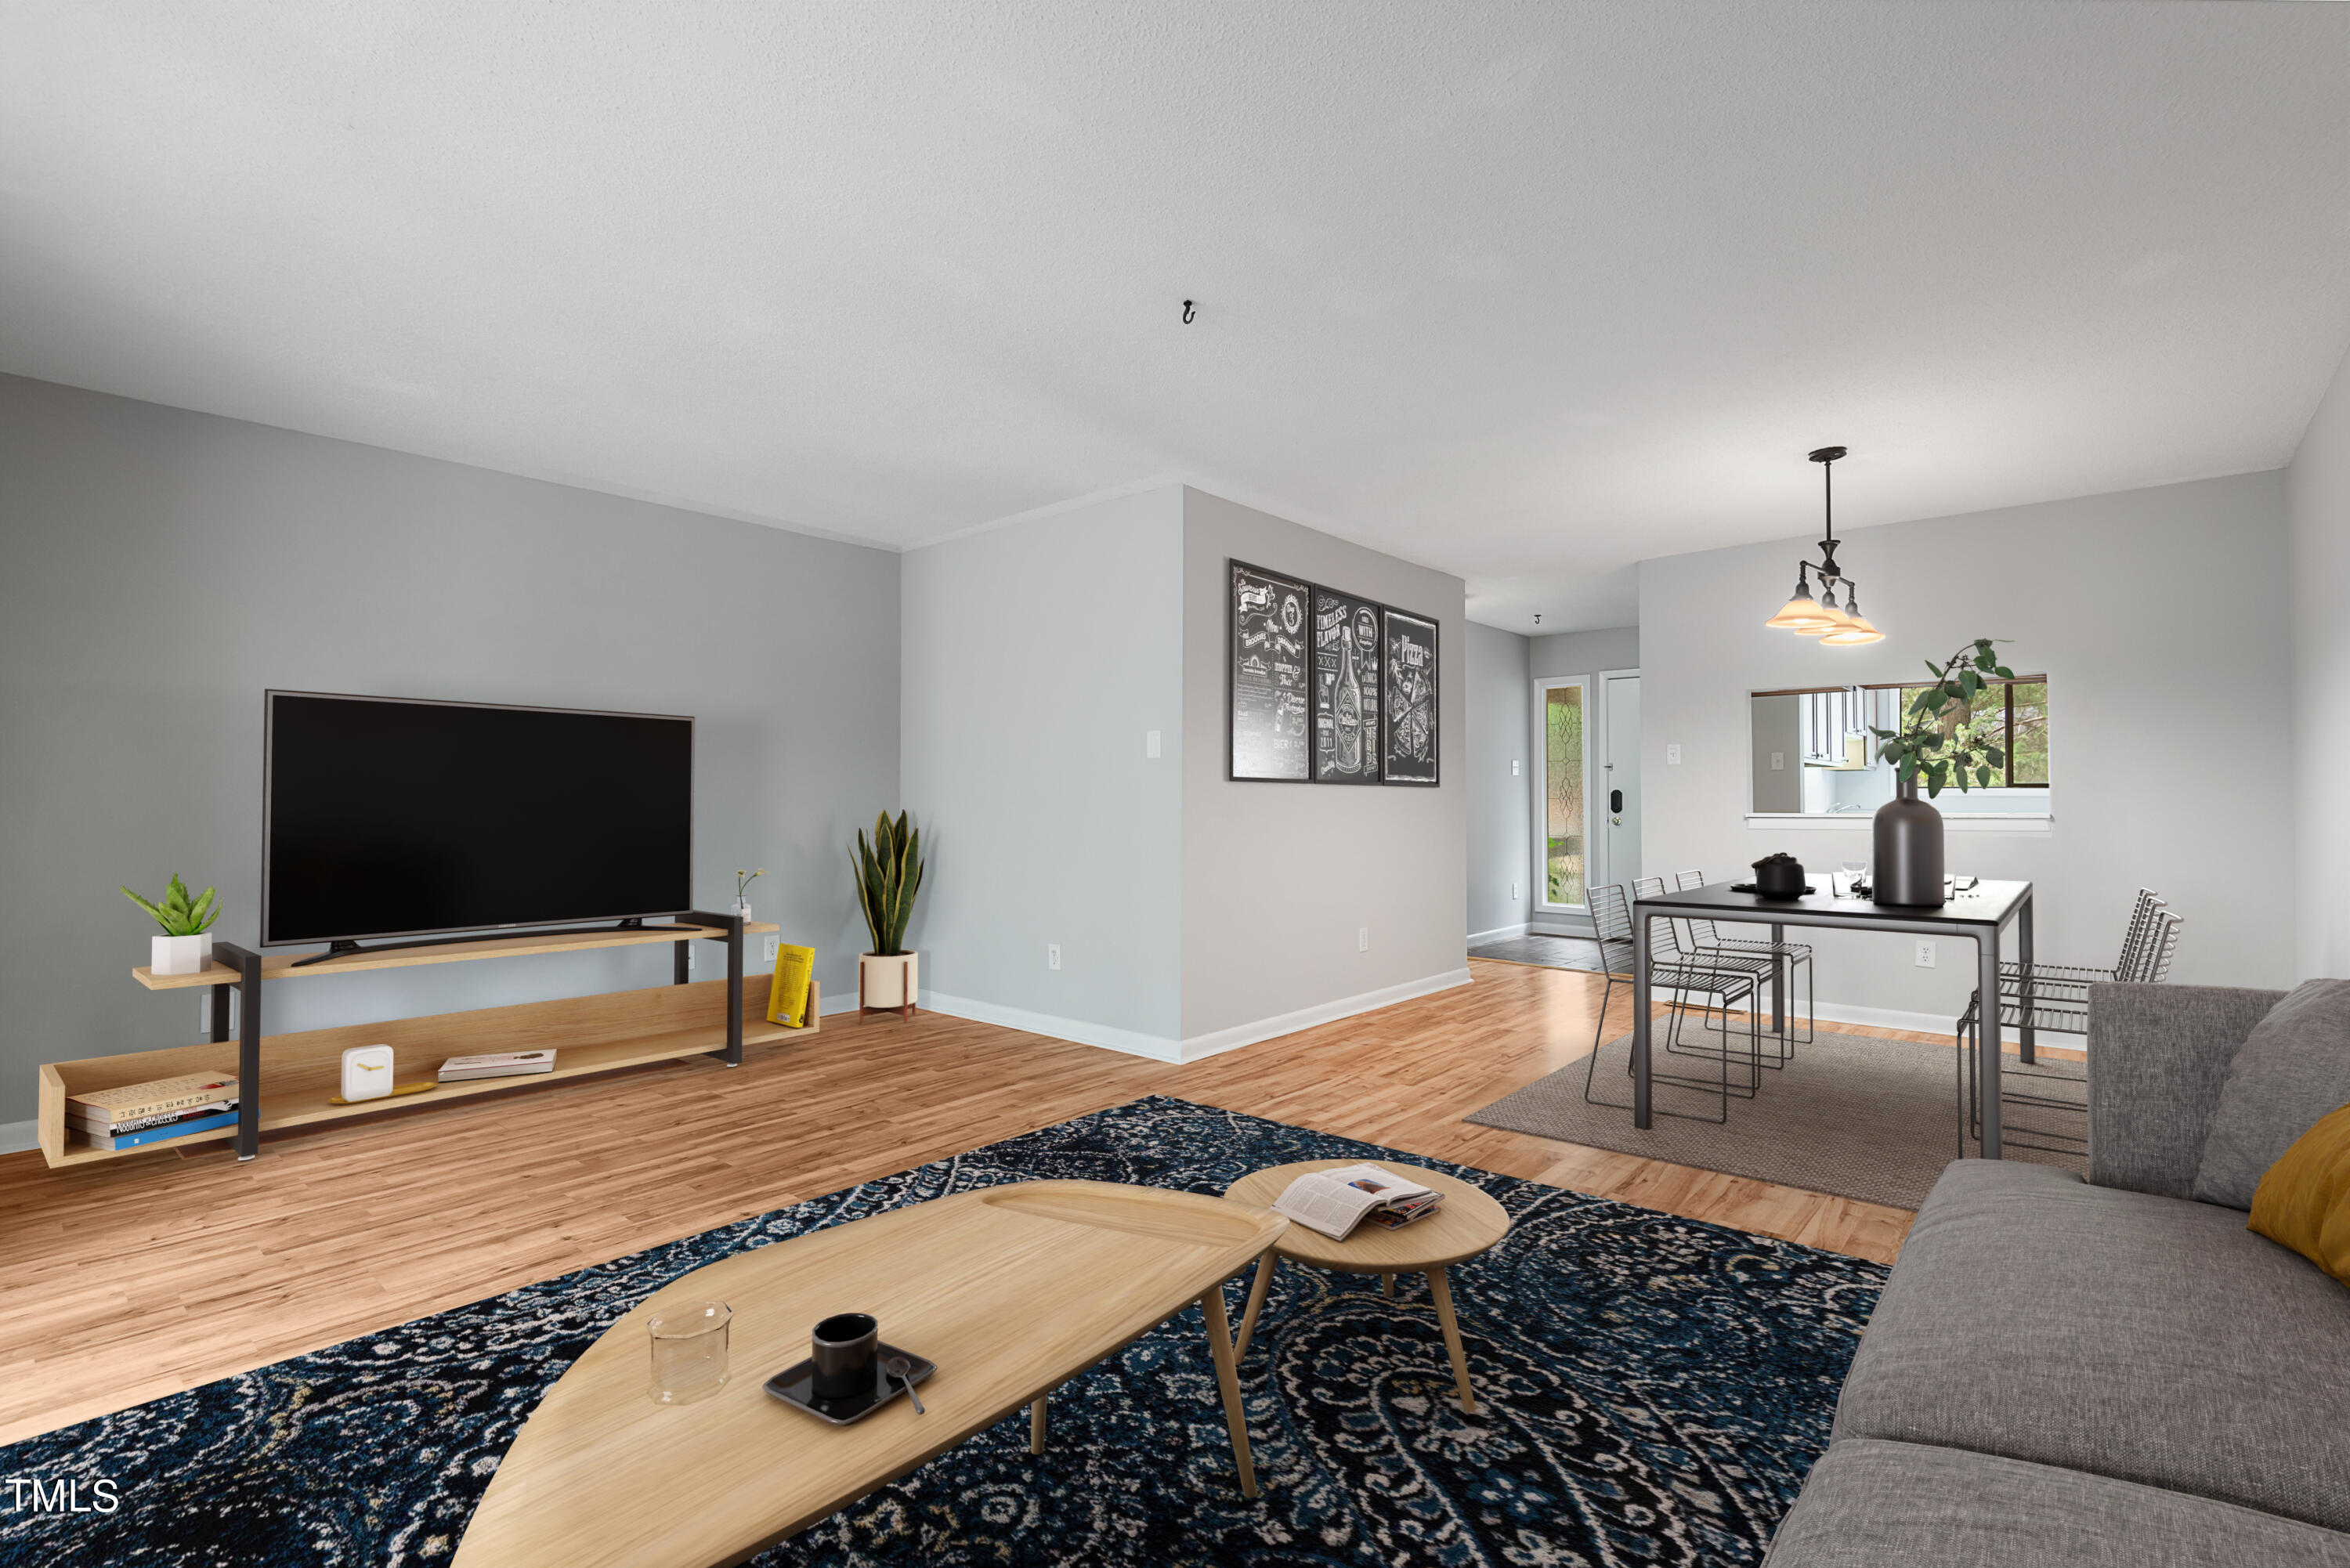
pixel 136 1278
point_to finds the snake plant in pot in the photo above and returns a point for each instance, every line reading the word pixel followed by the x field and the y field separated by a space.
pixel 1936 744
pixel 889 874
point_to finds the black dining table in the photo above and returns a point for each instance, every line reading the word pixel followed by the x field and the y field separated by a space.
pixel 1982 912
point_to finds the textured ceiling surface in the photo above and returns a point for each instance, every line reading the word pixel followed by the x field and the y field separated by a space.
pixel 1527 292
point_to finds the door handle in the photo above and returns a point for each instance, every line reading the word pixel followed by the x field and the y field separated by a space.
pixel 1615 800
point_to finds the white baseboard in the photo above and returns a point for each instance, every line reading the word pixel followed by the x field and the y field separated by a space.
pixel 1888 1018
pixel 1158 1047
pixel 1551 926
pixel 1199 1045
pixel 16 1137
pixel 1559 925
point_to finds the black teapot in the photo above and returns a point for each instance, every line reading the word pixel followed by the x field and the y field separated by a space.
pixel 1779 877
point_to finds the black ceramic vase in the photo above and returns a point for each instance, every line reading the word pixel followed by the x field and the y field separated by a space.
pixel 1908 866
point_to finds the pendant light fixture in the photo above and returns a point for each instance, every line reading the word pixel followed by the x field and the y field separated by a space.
pixel 1836 625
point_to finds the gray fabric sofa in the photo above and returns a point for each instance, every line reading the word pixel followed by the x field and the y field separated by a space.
pixel 2064 1373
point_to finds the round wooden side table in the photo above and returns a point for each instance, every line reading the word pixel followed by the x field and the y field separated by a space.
pixel 1468 1223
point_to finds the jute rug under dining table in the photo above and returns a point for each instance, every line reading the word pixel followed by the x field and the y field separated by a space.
pixel 1849 1115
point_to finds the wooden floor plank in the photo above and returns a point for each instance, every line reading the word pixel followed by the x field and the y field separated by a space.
pixel 130 1279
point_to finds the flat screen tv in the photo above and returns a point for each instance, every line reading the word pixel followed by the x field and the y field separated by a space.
pixel 389 816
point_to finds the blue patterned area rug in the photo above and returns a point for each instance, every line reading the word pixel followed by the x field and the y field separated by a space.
pixel 1652 1390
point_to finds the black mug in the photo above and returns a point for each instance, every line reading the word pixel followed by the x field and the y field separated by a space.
pixel 844 1350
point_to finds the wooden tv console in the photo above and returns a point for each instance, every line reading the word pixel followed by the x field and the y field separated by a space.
pixel 290 1080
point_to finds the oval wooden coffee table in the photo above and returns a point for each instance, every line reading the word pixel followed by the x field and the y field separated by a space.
pixel 1468 1223
pixel 1012 1290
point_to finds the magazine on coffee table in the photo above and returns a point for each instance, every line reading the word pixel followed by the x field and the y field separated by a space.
pixel 1335 1201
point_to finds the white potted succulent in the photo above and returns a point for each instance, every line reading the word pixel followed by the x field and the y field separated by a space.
pixel 888 874
pixel 186 945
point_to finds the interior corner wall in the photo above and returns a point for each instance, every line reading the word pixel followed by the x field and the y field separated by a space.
pixel 1498 775
pixel 1037 656
pixel 160 568
pixel 2318 525
pixel 1279 878
pixel 1583 652
pixel 2155 615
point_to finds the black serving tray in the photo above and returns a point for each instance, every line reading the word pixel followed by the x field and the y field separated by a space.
pixel 1751 888
pixel 796 1384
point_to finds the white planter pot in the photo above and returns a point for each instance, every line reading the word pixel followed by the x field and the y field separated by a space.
pixel 177 955
pixel 206 950
pixel 892 981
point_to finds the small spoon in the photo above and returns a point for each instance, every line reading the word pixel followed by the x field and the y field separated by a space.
pixel 898 1368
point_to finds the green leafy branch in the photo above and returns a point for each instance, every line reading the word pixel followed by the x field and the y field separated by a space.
pixel 175 914
pixel 1935 743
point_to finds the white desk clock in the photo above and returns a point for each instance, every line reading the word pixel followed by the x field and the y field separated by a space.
pixel 366 1072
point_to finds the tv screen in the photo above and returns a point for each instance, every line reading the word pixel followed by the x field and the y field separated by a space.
pixel 391 817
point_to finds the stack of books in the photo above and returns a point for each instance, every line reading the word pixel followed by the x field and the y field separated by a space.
pixel 497 1065
pixel 140 1114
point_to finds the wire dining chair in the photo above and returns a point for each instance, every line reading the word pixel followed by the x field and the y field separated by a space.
pixel 2039 1000
pixel 1679 944
pixel 1611 920
pixel 1795 955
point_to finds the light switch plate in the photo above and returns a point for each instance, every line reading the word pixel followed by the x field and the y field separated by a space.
pixel 1052 955
pixel 1778 762
pixel 1513 767
pixel 1151 746
pixel 366 1072
pixel 1672 756
pixel 1363 940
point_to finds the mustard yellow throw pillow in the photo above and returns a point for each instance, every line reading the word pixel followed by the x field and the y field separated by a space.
pixel 2303 1199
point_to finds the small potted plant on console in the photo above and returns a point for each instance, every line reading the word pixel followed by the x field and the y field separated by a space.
pixel 888 874
pixel 186 945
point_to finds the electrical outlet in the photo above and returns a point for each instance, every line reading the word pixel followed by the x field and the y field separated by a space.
pixel 767 949
pixel 1514 892
pixel 1513 767
pixel 204 1015
pixel 1052 955
pixel 1151 742
pixel 1925 955
pixel 1778 762
pixel 693 955
pixel 1672 756
pixel 1363 940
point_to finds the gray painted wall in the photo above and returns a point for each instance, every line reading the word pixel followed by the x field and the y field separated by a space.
pixel 2156 616
pixel 1037 657
pixel 1278 877
pixel 163 568
pixel 1779 727
pixel 1583 652
pixel 1499 729
pixel 2318 505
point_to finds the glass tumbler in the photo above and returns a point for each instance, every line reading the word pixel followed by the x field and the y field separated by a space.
pixel 689 1341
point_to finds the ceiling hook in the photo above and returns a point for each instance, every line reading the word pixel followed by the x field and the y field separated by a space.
pixel 1190 310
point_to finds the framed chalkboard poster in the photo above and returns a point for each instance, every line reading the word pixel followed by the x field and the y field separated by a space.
pixel 1346 689
pixel 1266 652
pixel 1407 744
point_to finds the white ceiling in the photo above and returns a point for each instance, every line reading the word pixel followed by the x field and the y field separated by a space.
pixel 1527 292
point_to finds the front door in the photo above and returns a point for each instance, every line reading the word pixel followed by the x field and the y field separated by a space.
pixel 1620 778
